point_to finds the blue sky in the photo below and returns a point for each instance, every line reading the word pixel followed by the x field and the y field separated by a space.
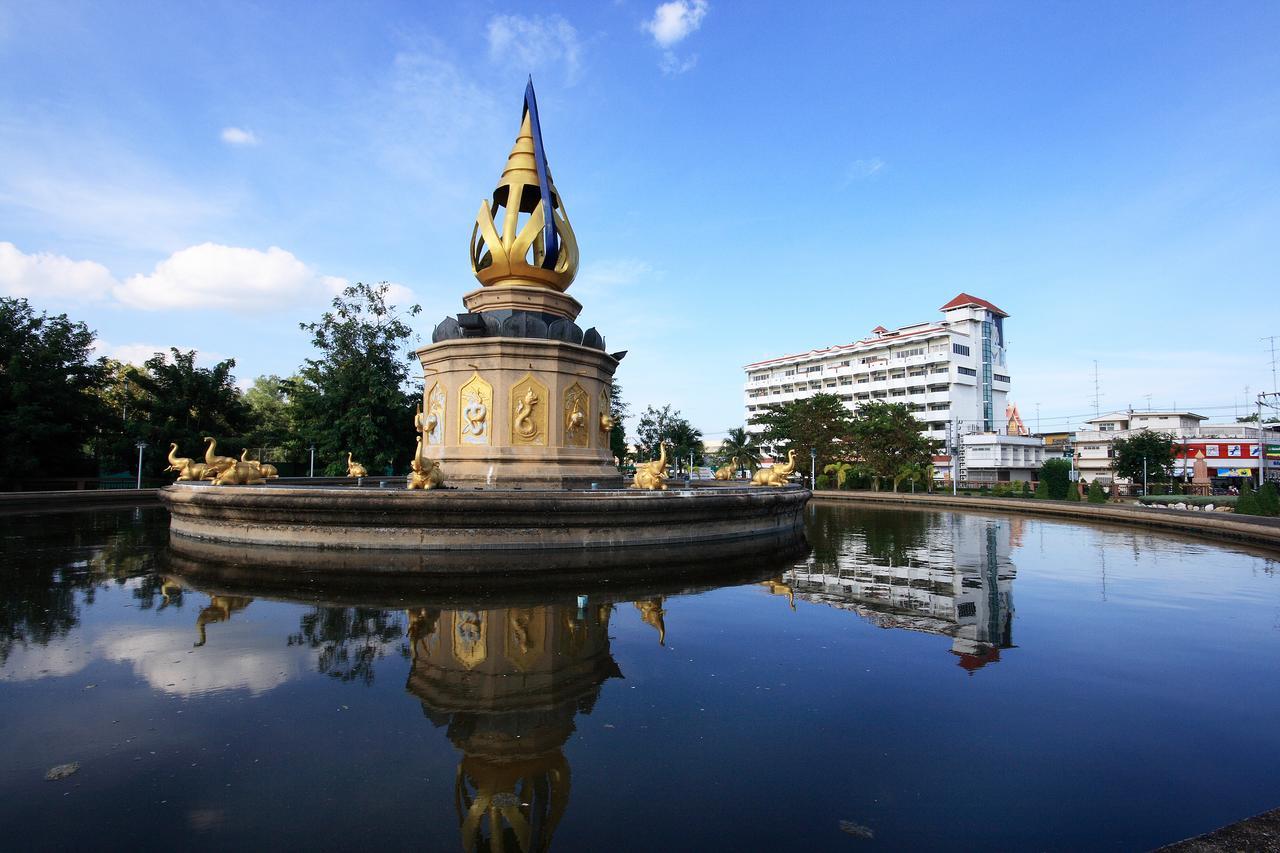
pixel 745 180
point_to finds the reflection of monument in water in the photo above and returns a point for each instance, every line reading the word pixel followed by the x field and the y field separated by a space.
pixel 956 580
pixel 508 683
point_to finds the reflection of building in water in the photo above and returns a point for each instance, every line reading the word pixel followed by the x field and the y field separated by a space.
pixel 956 580
pixel 508 683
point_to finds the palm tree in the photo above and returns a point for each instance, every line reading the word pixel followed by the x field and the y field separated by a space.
pixel 841 470
pixel 741 444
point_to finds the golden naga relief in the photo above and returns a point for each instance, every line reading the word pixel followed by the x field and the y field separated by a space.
pixel 469 631
pixel 425 473
pixel 475 402
pixel 529 412
pixel 267 471
pixel 516 256
pixel 577 411
pixel 355 469
pixel 430 424
pixel 776 475
pixel 725 471
pixel 187 468
pixel 649 475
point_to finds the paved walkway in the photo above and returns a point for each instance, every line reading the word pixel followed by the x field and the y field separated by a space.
pixel 1217 525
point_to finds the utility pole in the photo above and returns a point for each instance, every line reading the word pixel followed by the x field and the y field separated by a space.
pixel 1037 418
pixel 1272 339
pixel 1097 391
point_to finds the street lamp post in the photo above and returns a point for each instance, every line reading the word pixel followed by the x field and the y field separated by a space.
pixel 142 445
pixel 1144 476
pixel 813 468
pixel 313 460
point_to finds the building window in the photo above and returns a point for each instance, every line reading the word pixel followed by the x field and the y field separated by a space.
pixel 967 371
pixel 959 349
pixel 907 353
pixel 1000 377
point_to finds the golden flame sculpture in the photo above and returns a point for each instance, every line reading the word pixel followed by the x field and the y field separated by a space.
pixel 535 246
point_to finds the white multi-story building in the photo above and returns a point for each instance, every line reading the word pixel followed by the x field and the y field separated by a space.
pixel 951 374
pixel 1231 451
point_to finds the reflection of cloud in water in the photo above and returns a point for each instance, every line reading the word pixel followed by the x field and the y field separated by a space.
pixel 240 661
pixel 56 660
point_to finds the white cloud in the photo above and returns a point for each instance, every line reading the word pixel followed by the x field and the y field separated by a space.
pixel 238 136
pixel 212 276
pixel 863 170
pixel 238 660
pixel 533 43
pixel 55 660
pixel 45 275
pixel 128 353
pixel 673 22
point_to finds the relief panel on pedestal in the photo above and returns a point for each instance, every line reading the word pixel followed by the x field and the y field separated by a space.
pixel 529 412
pixel 475 403
pixel 577 415
pixel 469 632
pixel 432 425
pixel 526 633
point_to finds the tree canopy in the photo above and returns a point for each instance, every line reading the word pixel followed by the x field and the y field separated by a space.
pixel 888 440
pixel 820 422
pixel 355 397
pixel 48 406
pixel 1155 447
pixel 664 426
pixel 183 403
pixel 741 444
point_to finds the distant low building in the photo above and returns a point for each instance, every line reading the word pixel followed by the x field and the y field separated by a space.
pixel 996 458
pixel 1232 451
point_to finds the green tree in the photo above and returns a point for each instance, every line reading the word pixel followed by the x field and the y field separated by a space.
pixel 49 408
pixel 664 426
pixel 742 444
pixel 183 403
pixel 840 470
pixel 1042 487
pixel 268 402
pixel 619 411
pixel 1055 474
pixel 355 396
pixel 1269 500
pixel 820 423
pixel 1154 447
pixel 914 474
pixel 1247 503
pixel 1097 494
pixel 887 437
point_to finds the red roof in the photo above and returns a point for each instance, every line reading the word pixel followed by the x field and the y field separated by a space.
pixel 965 299
pixel 879 330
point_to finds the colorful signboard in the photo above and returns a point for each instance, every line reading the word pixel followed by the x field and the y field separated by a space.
pixel 1273 451
pixel 1234 472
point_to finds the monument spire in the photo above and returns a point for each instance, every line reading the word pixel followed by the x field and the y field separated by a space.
pixel 535 251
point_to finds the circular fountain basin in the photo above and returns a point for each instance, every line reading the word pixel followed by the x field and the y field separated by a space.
pixel 459 531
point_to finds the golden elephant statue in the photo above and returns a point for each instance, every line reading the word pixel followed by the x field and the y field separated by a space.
pixel 424 473
pixel 776 475
pixel 355 469
pixel 649 475
pixel 725 472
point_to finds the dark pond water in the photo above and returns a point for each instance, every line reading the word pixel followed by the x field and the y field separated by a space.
pixel 922 680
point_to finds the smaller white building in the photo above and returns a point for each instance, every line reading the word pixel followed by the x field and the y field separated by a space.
pixel 988 457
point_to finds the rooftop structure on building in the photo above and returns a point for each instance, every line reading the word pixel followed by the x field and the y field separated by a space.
pixel 950 373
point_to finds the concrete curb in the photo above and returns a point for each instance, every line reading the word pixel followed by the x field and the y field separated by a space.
pixel 13 502
pixel 1258 531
